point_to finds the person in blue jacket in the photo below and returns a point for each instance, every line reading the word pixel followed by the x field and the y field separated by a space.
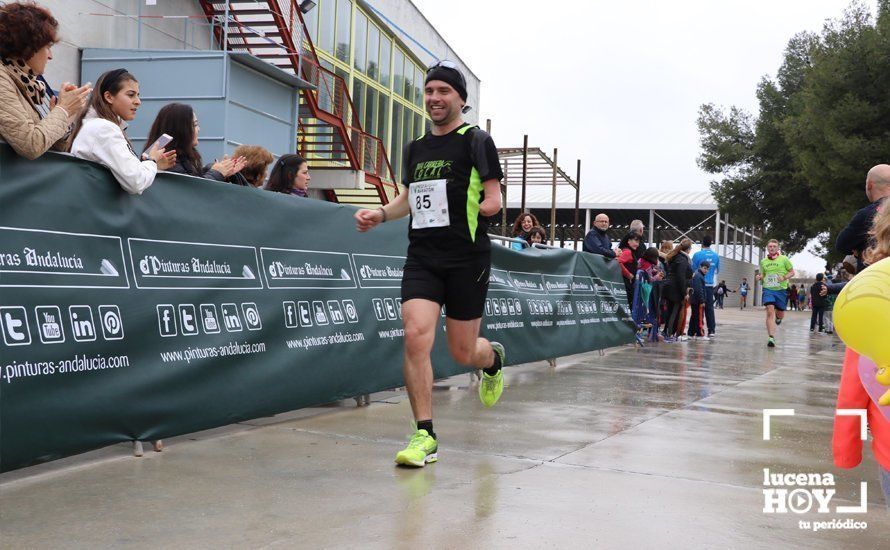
pixel 708 255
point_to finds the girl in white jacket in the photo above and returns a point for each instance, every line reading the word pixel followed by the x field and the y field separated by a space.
pixel 99 133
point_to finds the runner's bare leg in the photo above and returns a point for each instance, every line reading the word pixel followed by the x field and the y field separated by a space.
pixel 466 346
pixel 771 320
pixel 419 317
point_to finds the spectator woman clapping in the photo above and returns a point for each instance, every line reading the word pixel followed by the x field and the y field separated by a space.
pixel 99 133
pixel 178 120
pixel 31 121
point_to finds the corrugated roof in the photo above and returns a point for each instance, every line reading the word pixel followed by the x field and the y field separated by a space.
pixel 540 196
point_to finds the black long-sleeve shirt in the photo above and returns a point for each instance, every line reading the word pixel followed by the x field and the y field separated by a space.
pixel 854 237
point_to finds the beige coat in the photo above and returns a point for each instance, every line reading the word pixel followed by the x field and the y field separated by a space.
pixel 20 125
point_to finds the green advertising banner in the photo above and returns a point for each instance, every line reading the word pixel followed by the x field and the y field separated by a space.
pixel 199 304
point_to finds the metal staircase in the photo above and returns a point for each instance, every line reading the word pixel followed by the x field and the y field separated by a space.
pixel 330 134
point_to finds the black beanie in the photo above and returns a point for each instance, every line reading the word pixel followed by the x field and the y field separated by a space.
pixel 452 76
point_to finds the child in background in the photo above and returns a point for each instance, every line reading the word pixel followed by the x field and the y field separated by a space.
pixel 649 264
pixel 645 301
pixel 847 442
pixel 697 299
pixel 537 235
pixel 829 307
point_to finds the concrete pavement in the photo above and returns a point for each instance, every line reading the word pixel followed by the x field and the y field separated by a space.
pixel 661 445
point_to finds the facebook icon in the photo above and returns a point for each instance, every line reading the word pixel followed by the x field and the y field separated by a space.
pixel 290 315
pixel 167 320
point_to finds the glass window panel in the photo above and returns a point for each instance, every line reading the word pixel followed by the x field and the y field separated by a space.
pixel 407 126
pixel 344 13
pixel 358 94
pixel 396 147
pixel 409 79
pixel 382 117
pixel 398 70
pixel 373 51
pixel 311 20
pixel 385 49
pixel 419 77
pixel 418 125
pixel 326 25
pixel 361 33
pixel 369 122
pixel 340 94
pixel 326 92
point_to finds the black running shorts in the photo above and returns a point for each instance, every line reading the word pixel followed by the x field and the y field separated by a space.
pixel 459 286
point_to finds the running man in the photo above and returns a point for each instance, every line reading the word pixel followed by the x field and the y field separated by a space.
pixel 452 178
pixel 775 271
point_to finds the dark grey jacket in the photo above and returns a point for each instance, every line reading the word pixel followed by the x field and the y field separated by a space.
pixel 598 242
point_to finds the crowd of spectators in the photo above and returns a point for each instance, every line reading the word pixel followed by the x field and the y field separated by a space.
pixel 91 122
pixel 682 299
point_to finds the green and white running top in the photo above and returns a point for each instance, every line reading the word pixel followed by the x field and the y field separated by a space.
pixel 773 270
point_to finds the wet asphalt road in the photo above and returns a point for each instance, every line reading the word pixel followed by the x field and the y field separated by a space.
pixel 640 447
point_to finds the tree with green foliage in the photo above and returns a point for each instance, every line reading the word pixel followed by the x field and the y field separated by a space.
pixel 798 168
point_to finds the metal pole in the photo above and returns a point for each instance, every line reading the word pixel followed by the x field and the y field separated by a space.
pixel 503 187
pixel 751 246
pixel 651 227
pixel 725 233
pixel 504 198
pixel 717 232
pixel 524 170
pixel 735 241
pixel 138 25
pixel 553 203
pixel 226 30
pixel 760 247
pixel 577 203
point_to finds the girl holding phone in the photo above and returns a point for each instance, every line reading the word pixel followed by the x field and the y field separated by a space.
pixel 178 121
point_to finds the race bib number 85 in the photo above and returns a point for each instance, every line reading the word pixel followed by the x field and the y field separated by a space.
pixel 429 204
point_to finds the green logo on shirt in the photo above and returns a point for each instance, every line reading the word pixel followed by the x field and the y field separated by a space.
pixel 432 170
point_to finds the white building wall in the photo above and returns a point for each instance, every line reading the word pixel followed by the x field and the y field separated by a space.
pixel 80 28
pixel 405 15
pixel 732 272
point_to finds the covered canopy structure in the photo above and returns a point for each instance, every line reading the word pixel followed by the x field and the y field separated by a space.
pixel 667 215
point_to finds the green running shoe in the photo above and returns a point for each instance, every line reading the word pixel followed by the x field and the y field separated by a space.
pixel 420 451
pixel 492 386
pixel 771 342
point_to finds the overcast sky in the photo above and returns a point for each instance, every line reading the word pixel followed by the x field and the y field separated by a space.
pixel 619 84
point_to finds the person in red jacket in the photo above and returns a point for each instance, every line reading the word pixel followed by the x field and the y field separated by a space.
pixel 627 258
pixel 846 444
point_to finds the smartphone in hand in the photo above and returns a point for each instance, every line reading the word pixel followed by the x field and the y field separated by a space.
pixel 161 142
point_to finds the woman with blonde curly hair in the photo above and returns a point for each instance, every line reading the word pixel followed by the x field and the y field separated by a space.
pixel 880 234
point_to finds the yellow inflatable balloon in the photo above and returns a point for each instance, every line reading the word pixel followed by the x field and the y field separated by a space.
pixel 862 318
